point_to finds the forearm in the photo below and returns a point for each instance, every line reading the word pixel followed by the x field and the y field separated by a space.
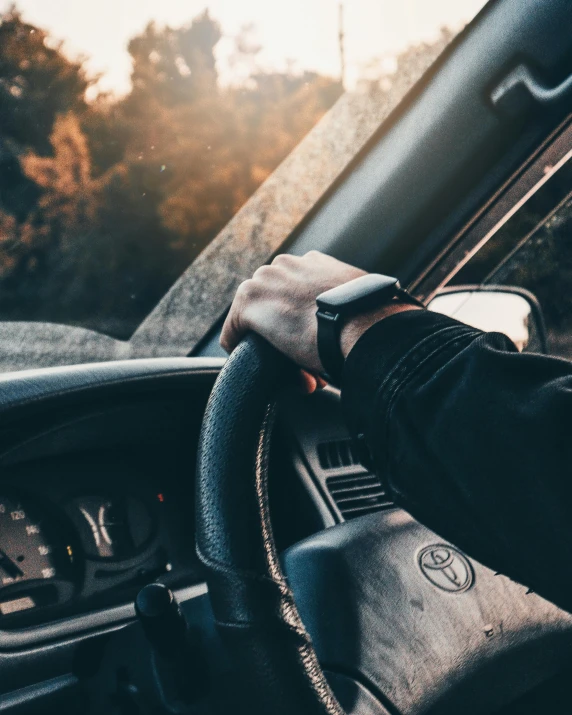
pixel 473 440
pixel 355 328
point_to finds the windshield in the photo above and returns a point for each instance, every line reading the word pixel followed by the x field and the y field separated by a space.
pixel 132 132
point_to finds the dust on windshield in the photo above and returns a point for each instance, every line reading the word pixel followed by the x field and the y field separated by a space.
pixel 130 136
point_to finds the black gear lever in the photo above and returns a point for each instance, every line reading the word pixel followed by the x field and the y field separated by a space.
pixel 179 665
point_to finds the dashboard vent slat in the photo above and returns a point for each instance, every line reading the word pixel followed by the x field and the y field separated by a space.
pixel 355 491
pixel 361 494
pixel 361 510
pixel 357 481
pixel 337 453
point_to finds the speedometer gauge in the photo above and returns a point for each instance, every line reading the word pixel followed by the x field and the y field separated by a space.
pixel 112 527
pixel 32 557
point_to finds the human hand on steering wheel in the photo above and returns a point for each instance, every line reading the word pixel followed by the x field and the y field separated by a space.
pixel 279 303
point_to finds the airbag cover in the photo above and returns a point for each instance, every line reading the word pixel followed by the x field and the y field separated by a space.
pixel 397 607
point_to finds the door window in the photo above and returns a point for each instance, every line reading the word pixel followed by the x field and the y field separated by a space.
pixel 533 251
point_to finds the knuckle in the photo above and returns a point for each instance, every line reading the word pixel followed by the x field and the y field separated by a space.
pixel 262 273
pixel 283 259
pixel 313 254
pixel 245 290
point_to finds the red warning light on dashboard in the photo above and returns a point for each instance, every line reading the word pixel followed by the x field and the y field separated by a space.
pixel 160 497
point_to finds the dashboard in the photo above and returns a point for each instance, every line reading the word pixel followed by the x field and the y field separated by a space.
pixel 97 472
pixel 97 489
pixel 85 531
pixel 96 496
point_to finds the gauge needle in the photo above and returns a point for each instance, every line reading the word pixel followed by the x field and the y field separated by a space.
pixel 9 566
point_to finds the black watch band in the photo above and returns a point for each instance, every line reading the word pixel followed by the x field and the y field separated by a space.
pixel 361 295
pixel 329 350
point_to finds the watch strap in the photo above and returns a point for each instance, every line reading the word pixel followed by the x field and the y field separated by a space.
pixel 329 350
pixel 331 318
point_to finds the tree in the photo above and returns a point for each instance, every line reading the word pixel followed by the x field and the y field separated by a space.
pixel 37 82
pixel 103 204
pixel 200 150
pixel 174 66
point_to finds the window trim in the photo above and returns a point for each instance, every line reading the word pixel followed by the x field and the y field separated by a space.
pixel 501 212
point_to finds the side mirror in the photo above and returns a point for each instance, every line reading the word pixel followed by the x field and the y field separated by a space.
pixel 501 309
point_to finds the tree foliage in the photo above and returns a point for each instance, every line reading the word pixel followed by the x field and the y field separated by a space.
pixel 104 203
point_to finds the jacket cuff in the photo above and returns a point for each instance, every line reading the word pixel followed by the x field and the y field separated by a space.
pixel 395 345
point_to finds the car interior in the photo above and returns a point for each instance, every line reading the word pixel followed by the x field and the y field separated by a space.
pixel 188 533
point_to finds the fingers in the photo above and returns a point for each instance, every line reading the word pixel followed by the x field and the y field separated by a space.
pixel 309 382
pixel 235 325
pixel 249 296
pixel 228 337
pixel 320 382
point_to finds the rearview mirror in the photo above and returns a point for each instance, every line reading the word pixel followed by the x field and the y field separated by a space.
pixel 501 309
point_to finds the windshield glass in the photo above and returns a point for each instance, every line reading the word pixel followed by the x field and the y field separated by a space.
pixel 131 132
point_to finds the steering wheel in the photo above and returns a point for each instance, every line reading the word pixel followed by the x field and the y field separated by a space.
pixel 401 621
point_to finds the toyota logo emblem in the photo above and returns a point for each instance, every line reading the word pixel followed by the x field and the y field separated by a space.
pixel 446 568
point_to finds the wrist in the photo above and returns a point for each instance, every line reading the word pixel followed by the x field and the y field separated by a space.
pixel 356 327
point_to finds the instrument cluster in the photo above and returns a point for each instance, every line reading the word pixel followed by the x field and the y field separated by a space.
pixel 82 533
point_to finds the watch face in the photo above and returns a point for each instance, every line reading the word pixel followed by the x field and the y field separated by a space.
pixel 363 293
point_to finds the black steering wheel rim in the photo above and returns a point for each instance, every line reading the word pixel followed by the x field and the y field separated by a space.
pixel 252 603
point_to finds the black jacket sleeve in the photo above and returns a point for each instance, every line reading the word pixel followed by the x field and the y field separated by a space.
pixel 473 439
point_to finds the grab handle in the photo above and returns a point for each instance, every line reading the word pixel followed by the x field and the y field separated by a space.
pixel 521 76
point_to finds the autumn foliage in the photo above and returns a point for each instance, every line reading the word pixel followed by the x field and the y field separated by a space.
pixel 104 203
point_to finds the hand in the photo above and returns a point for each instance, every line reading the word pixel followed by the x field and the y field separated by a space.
pixel 279 303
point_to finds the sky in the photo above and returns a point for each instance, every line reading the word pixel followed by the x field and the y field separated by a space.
pixel 302 34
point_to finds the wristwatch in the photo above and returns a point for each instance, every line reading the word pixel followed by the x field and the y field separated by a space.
pixel 335 306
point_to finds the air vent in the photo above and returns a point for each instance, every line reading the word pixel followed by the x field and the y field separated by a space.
pixel 354 490
pixel 338 453
pixel 358 494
